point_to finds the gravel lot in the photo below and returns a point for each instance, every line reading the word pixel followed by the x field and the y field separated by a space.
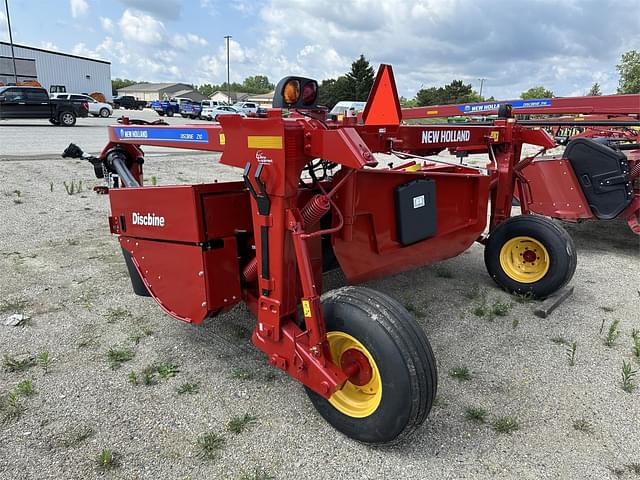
pixel 59 265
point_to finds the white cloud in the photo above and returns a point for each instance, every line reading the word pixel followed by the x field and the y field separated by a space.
pixel 106 23
pixel 78 8
pixel 140 27
pixel 183 41
pixel 49 46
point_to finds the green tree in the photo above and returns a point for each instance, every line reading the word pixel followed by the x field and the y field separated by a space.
pixel 629 70
pixel 257 84
pixel 207 89
pixel 360 79
pixel 335 90
pixel 455 92
pixel 536 92
pixel 430 96
pixel 118 83
pixel 595 90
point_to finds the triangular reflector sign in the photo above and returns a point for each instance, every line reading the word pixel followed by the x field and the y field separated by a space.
pixel 383 106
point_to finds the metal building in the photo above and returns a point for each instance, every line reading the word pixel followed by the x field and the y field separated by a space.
pixel 161 91
pixel 77 74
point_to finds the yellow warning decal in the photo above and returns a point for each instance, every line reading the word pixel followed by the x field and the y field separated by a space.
pixel 495 135
pixel 222 139
pixel 264 141
pixel 432 112
pixel 306 308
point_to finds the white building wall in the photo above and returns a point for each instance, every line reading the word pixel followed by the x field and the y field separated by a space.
pixel 78 74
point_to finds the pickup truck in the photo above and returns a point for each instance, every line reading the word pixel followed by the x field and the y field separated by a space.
pixel 249 108
pixel 190 109
pixel 169 107
pixel 34 102
pixel 129 102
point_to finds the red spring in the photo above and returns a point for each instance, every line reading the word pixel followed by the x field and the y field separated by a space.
pixel 311 213
pixel 250 271
pixel 315 209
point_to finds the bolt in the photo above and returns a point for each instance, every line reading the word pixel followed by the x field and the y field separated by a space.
pixel 203 304
pixel 200 273
pixel 324 386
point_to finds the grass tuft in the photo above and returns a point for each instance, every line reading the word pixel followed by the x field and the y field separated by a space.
pixel 460 373
pixel 148 376
pixel 117 356
pixel 476 414
pixel 501 309
pixel 241 374
pixel 167 370
pixel 506 425
pixel 474 293
pixel 25 388
pixel 13 364
pixel 209 444
pixel 117 313
pixel 132 378
pixel 188 388
pixel 44 361
pixel 73 187
pixel 523 297
pixel 583 425
pixel 106 459
pixel 612 333
pixel 515 323
pixel 560 340
pixel 627 377
pixel 11 408
pixel 238 425
pixel 635 335
pixel 13 306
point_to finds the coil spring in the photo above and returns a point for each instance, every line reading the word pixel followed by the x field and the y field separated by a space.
pixel 311 213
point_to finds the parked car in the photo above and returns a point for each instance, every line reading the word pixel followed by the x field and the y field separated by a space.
pixel 246 107
pixel 169 107
pixel 129 102
pixel 212 113
pixel 190 109
pixel 211 103
pixel 345 108
pixel 97 109
pixel 33 102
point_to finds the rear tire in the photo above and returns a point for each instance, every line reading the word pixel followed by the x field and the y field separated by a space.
pixel 403 383
pixel 67 119
pixel 161 114
pixel 169 112
pixel 104 112
pixel 529 254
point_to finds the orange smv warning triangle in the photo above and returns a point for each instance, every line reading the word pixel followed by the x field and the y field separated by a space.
pixel 383 106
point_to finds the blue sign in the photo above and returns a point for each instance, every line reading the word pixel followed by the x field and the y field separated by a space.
pixel 186 135
pixel 487 107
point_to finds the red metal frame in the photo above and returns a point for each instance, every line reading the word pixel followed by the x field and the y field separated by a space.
pixel 267 228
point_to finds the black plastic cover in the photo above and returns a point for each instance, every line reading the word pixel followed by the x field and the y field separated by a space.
pixel 416 211
pixel 603 174
pixel 139 288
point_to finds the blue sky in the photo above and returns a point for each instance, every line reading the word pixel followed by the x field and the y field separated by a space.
pixel 565 46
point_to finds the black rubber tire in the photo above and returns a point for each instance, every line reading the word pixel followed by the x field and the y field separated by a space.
pixel 403 356
pixel 161 114
pixel 216 119
pixel 559 245
pixel 104 112
pixel 67 119
pixel 169 112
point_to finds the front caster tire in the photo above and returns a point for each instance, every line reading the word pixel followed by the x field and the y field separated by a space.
pixel 395 381
pixel 531 255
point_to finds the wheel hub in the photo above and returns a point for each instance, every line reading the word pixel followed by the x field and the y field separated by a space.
pixel 356 366
pixel 524 259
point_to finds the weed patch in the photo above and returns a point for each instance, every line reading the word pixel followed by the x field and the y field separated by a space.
pixel 117 356
pixel 506 425
pixel 476 414
pixel 238 425
pixel 460 373
pixel 209 445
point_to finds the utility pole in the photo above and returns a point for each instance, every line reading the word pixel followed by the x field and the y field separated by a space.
pixel 13 54
pixel 227 37
pixel 481 84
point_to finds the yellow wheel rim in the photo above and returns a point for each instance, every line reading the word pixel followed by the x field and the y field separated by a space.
pixel 356 401
pixel 524 259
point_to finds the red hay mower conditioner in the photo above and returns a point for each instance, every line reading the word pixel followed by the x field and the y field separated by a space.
pixel 311 196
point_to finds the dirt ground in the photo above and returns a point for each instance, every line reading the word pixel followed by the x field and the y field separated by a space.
pixel 60 266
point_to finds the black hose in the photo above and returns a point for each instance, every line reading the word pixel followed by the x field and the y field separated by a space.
pixel 117 161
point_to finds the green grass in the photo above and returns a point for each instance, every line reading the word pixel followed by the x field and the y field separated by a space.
pixel 167 370
pixel 238 425
pixel 628 375
pixel 460 373
pixel 583 425
pixel 73 187
pixel 560 340
pixel 44 361
pixel 25 388
pixel 500 309
pixel 635 336
pixel 523 297
pixel 154 180
pixel 242 374
pixel 117 356
pixel 476 414
pixel 506 425
pixel 515 323
pixel 11 408
pixel 13 364
pixel 149 376
pixel 209 445
pixel 612 334
pixel 76 435
pixel 188 388
pixel 106 460
pixel 474 293
pixel 132 378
